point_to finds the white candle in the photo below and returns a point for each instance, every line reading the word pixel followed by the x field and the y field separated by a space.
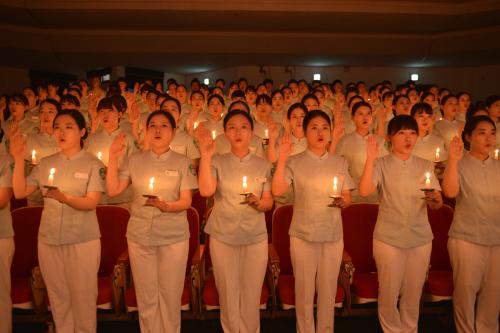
pixel 335 187
pixel 51 176
pixel 244 184
pixel 266 133
pixel 99 156
pixel 427 180
pixel 496 154
pixel 437 154
pixel 33 156
pixel 214 134
pixel 195 124
pixel 151 185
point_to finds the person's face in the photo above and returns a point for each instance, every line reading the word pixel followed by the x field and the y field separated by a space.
pixel 303 88
pixel 494 111
pixel 269 87
pixel 373 97
pixel 197 101
pixel 251 96
pixel 215 107
pixel 151 100
pixel 195 86
pixel 353 102
pixel 297 119
pixel 219 84
pixel 277 101
pixel 361 88
pixel 431 100
pixel 158 87
pixel 388 100
pixel 219 92
pixel 30 95
pixel 483 138
pixel 318 133
pixel 239 106
pixel 424 121
pixel 413 96
pixel 181 94
pixel 109 118
pixel 172 108
pixel 320 97
pixel 450 108
pixel 434 91
pixel 95 83
pixel 17 108
pixel 311 104
pixel 261 90
pixel 402 106
pixel 172 90
pixel 337 88
pixel 42 93
pixel 363 118
pixel 243 85
pixel 238 131
pixel 159 132
pixel 263 109
pixel 403 141
pixel 67 133
pixel 47 114
pixel 294 88
pixel 464 102
pixel 52 90
pixel 123 86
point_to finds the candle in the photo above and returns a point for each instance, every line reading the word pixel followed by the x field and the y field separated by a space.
pixel 335 186
pixel 151 185
pixel 437 154
pixel 214 134
pixel 99 156
pixel 427 180
pixel 496 154
pixel 244 184
pixel 195 124
pixel 51 176
pixel 33 156
pixel 266 133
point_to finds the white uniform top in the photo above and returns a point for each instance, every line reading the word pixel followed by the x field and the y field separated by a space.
pixel 81 173
pixel 402 217
pixel 27 126
pixel 185 144
pixel 232 222
pixel 447 130
pixel 223 146
pixel 6 166
pixel 353 148
pixel 312 179
pixel 477 212
pixel 259 128
pixel 211 125
pixel 173 173
pixel 279 117
pixel 426 148
pixel 33 114
pixel 101 141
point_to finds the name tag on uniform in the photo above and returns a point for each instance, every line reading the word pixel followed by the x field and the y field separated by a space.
pixel 252 149
pixel 81 175
pixel 178 149
pixel 260 179
pixel 171 173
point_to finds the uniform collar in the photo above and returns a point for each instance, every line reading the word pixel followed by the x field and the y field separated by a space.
pixel 237 159
pixel 161 157
pixel 399 161
pixel 488 161
pixel 74 157
pixel 314 156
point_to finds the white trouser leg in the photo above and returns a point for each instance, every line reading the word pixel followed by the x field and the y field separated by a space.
pixel 70 274
pixel 6 255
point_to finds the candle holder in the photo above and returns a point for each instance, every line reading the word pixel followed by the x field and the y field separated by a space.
pixel 50 187
pixel 337 199
pixel 265 141
pixel 150 196
pixel 245 196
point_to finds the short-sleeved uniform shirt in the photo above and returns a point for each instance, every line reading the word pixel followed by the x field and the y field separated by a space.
pixel 353 148
pixel 426 148
pixel 184 144
pixel 6 230
pixel 77 175
pixel 232 222
pixel 312 179
pixel 477 211
pixel 173 173
pixel 447 130
pixel 402 217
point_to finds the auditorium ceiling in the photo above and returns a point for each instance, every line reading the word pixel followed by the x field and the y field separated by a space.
pixel 186 36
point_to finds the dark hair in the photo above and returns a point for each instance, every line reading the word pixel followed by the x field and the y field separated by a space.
pixel 427 94
pixel 78 118
pixel 309 96
pixel 19 98
pixel 237 93
pixel 460 94
pixel 420 108
pixel 212 90
pixel 471 125
pixel 276 92
pixel 351 100
pixel 70 99
pixel 397 98
pixel 263 98
pixel 250 88
pixel 402 122
pixel 245 105
pixel 237 112
pixel 492 100
pixel 75 89
pixel 357 105
pixel 472 112
pixel 199 93
pixel 315 114
pixel 169 98
pixel 446 98
pixel 266 81
pixel 386 95
pixel 296 106
pixel 52 102
pixel 115 101
pixel 169 117
pixel 211 97
pixel 220 80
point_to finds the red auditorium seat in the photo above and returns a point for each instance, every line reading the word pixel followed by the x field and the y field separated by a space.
pixel 281 264
pixel 188 299
pixel 25 222
pixel 439 284
pixel 358 222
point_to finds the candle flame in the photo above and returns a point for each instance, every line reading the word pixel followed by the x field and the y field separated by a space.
pixel 52 171
pixel 99 155
pixel 214 134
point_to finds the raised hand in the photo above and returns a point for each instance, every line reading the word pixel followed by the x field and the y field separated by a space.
pixel 456 150
pixel 17 145
pixel 117 148
pixel 205 142
pixel 337 131
pixel 371 148
pixel 273 131
pixel 134 114
pixel 286 146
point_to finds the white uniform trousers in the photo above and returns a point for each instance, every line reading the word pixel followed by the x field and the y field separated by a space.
pixel 401 274
pixel 476 278
pixel 159 273
pixel 70 274
pixel 316 267
pixel 6 255
pixel 239 272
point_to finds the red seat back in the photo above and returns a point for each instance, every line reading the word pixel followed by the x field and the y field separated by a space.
pixel 358 221
pixel 25 222
pixel 113 225
pixel 282 218
pixel 199 203
pixel 194 231
pixel 440 221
